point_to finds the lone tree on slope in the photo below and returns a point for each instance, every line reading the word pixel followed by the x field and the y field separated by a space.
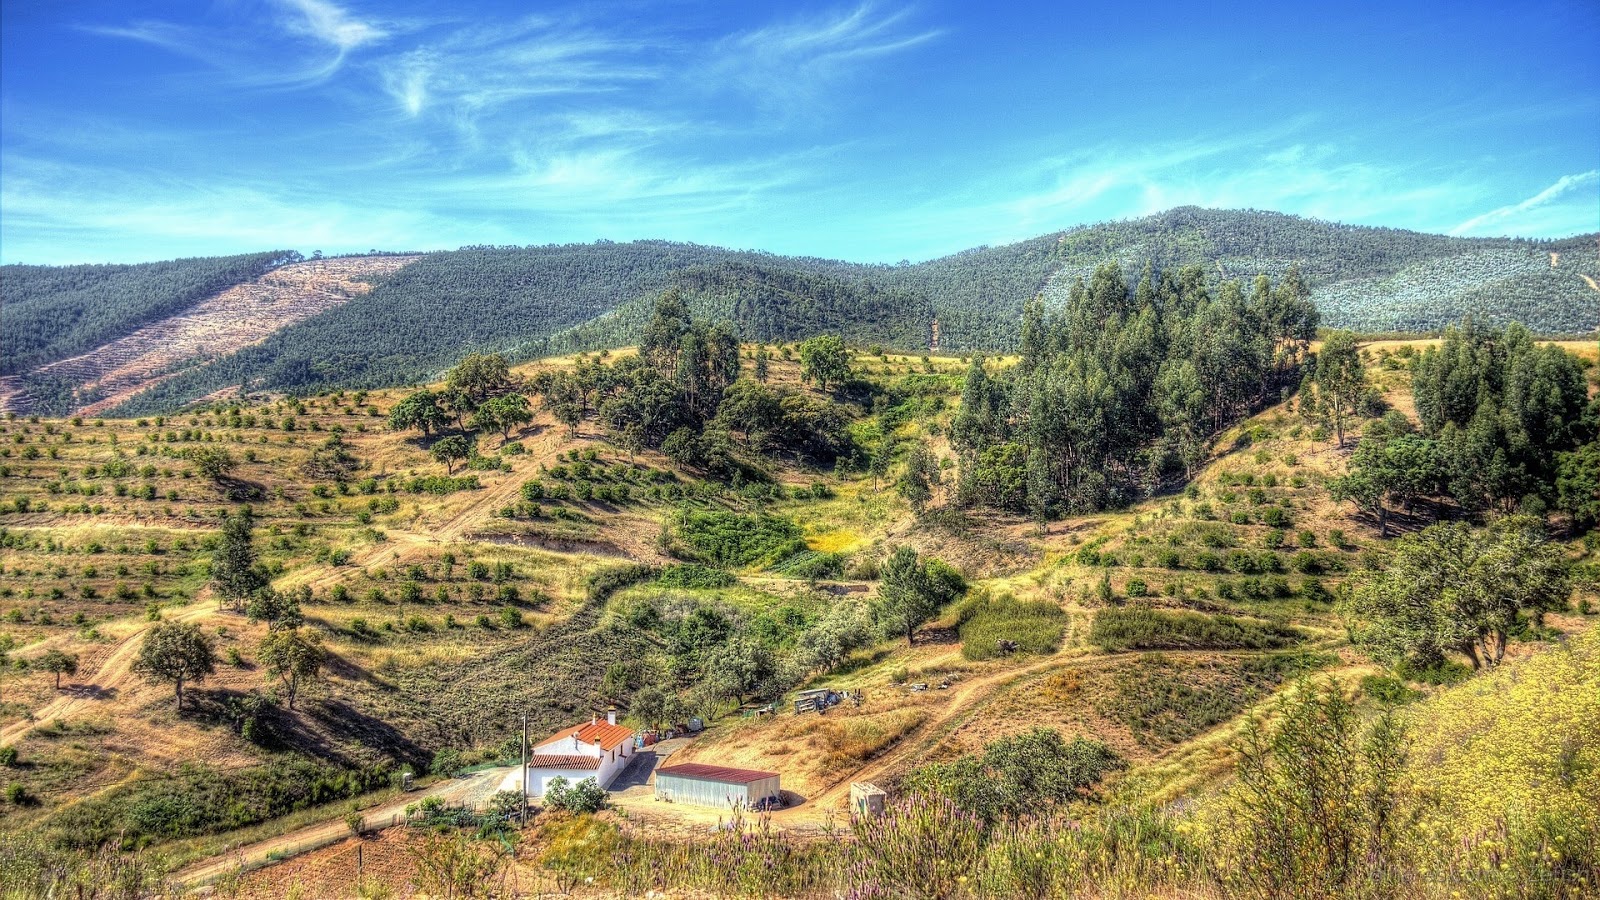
pixel 177 652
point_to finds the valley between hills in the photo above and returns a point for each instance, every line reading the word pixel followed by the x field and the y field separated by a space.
pixel 1171 590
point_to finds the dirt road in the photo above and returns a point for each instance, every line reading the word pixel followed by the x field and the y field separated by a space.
pixel 114 673
pixel 472 791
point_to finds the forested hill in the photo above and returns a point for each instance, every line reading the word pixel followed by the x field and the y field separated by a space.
pixel 52 312
pixel 1362 278
pixel 527 301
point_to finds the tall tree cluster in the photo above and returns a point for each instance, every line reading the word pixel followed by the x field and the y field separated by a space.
pixel 1505 424
pixel 1123 388
pixel 1503 410
pixel 683 394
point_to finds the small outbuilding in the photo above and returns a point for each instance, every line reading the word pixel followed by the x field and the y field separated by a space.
pixel 867 799
pixel 706 785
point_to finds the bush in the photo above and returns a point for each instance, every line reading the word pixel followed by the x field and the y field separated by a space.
pixel 1306 562
pixel 584 797
pixel 1315 811
pixel 732 539
pixel 1387 689
pixel 1018 775
pixel 1116 629
pixel 695 576
pixel 811 565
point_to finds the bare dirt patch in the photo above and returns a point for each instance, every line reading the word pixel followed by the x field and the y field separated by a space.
pixel 236 318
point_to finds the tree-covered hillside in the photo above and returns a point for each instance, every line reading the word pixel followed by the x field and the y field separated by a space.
pixel 527 301
pixel 1364 279
pixel 772 304
pixel 52 312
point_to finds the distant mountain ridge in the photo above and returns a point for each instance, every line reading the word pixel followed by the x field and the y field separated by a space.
pixel 529 301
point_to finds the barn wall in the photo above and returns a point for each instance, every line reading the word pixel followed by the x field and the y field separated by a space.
pixel 713 793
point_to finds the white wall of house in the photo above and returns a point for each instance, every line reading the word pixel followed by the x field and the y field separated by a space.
pixel 612 762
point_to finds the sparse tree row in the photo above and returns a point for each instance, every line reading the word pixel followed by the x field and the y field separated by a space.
pixel 1122 389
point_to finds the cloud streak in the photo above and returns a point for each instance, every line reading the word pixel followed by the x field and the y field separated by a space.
pixel 794 61
pixel 252 57
pixel 1507 217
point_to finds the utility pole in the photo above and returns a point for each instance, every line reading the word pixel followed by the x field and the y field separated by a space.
pixel 524 768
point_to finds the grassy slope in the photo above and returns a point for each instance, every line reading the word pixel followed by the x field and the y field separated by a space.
pixel 408 683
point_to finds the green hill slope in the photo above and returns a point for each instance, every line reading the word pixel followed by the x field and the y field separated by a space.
pixel 527 301
pixel 52 312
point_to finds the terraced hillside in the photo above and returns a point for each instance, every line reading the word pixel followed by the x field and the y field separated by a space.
pixel 557 570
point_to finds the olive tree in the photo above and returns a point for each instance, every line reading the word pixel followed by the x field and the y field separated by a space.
pixel 58 664
pixel 294 656
pixel 1452 588
pixel 176 652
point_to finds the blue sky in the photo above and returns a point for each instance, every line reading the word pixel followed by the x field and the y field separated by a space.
pixel 867 131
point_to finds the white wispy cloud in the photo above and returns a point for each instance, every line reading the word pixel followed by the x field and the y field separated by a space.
pixel 793 61
pixel 330 24
pixel 253 52
pixel 478 68
pixel 1516 216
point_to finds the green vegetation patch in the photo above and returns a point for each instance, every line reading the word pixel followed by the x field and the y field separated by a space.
pixel 694 575
pixel 738 540
pixel 1165 701
pixel 998 626
pixel 1117 628
pixel 200 799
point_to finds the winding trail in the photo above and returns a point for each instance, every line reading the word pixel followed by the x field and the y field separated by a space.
pixel 115 672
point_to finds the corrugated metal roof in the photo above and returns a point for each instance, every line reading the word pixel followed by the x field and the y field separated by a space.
pixel 557 761
pixel 609 735
pixel 715 773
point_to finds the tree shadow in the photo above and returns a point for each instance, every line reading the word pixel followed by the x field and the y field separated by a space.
pixel 241 490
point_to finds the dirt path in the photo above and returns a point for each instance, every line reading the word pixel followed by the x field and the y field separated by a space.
pixel 113 674
pixel 470 791
pixel 965 700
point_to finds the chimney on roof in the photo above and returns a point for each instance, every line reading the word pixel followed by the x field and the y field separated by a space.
pixel 594 720
pixel 611 715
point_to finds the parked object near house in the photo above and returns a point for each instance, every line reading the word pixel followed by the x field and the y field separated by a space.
pixel 820 699
pixel 867 799
pixel 594 749
pixel 707 785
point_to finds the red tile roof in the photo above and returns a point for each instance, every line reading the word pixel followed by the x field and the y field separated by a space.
pixel 559 761
pixel 715 773
pixel 609 735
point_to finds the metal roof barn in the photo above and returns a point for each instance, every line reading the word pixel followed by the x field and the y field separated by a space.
pixel 705 785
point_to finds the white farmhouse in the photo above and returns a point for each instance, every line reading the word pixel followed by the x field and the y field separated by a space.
pixel 594 749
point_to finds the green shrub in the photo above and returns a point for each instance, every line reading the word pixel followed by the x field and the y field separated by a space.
pixel 811 565
pixel 736 540
pixel 1387 689
pixel 695 576
pixel 1018 775
pixel 584 797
